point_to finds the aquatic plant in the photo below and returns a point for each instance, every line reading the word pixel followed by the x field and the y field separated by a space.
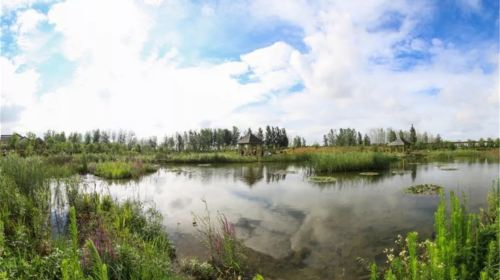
pixel 465 245
pixel 351 161
pixel 322 179
pixel 122 170
pixel 226 251
pixel 369 173
pixel 426 189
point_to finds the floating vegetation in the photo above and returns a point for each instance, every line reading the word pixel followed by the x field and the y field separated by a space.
pixel 427 189
pixel 369 173
pixel 282 172
pixel 204 165
pixel 448 168
pixel 122 170
pixel 322 179
pixel 399 172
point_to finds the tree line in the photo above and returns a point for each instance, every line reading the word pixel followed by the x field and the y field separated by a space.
pixel 101 141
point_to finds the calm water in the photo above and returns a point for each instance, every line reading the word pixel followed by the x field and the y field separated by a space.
pixel 298 229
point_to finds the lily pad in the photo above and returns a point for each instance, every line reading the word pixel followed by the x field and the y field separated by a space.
pixel 399 172
pixel 369 173
pixel 448 168
pixel 204 164
pixel 425 189
pixel 322 179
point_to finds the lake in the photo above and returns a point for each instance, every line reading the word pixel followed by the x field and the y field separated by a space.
pixel 297 229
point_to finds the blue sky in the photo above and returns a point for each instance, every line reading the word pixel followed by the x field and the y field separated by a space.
pixel 302 65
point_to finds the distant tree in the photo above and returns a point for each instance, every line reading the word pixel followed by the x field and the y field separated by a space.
pixel 392 135
pixel 366 140
pixel 260 134
pixel 267 138
pixel 235 135
pixel 284 138
pixel 438 139
pixel 325 140
pixel 413 135
pixel 360 139
pixel 96 136
pixel 425 138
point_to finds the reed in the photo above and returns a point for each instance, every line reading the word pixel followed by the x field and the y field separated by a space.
pixel 351 161
pixel 465 245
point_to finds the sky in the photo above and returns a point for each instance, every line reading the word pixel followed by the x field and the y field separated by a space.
pixel 160 66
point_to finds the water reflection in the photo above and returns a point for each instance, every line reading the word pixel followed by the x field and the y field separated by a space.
pixel 304 230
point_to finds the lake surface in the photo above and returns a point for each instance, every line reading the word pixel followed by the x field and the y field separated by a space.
pixel 298 229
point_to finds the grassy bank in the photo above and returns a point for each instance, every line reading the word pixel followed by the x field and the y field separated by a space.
pixel 225 157
pixel 465 246
pixel 99 237
pixel 490 154
pixel 103 240
pixel 350 161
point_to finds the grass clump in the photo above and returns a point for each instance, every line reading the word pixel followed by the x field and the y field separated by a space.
pixel 351 161
pixel 322 179
pixel 225 250
pixel 122 170
pixel 426 189
pixel 465 246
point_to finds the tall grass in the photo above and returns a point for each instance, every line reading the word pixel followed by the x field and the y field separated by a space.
pixel 351 161
pixel 121 170
pixel 226 251
pixel 226 157
pixel 104 239
pixel 490 154
pixel 466 246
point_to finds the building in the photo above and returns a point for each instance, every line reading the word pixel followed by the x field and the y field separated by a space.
pixel 397 145
pixel 6 138
pixel 250 145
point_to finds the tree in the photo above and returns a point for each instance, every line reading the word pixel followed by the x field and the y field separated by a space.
pixel 260 134
pixel 267 138
pixel 360 139
pixel 392 135
pixel 425 138
pixel 413 135
pixel 235 135
pixel 366 140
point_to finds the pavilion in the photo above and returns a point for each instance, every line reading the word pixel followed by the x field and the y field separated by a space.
pixel 250 145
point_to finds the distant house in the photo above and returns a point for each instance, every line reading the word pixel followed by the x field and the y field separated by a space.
pixel 6 138
pixel 250 145
pixel 397 145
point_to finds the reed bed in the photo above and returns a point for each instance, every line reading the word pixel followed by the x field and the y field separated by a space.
pixel 351 161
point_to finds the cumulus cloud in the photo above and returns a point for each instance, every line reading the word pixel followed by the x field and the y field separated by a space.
pixel 360 68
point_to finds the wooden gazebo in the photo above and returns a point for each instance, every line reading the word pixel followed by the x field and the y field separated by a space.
pixel 250 145
pixel 397 145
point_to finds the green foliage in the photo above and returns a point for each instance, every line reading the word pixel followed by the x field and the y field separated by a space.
pixel 95 245
pixel 122 170
pixel 199 270
pixel 350 161
pixel 465 245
